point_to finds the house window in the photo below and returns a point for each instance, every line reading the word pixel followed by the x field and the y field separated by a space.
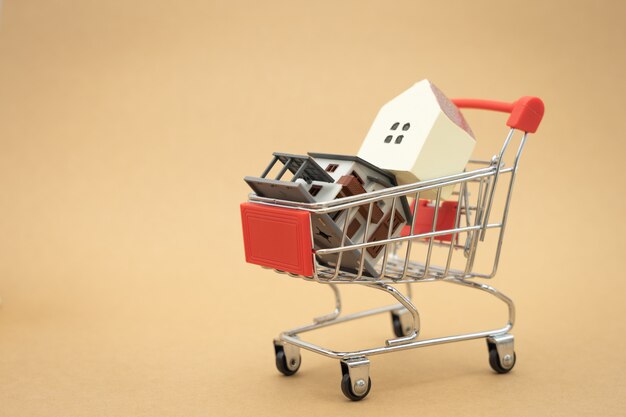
pixel 359 179
pixel 315 190
pixel 399 138
pixel 354 226
pixel 332 167
pixel 382 232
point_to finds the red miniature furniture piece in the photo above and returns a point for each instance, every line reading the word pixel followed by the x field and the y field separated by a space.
pixel 425 215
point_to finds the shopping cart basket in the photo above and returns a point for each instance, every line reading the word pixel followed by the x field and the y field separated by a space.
pixel 443 251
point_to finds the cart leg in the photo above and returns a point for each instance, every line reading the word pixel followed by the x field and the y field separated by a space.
pixel 408 316
pixel 501 352
pixel 336 312
pixel 401 319
pixel 355 378
pixel 288 357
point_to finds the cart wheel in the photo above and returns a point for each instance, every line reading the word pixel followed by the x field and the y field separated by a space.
pixel 354 391
pixel 398 330
pixel 494 360
pixel 286 366
pixel 348 391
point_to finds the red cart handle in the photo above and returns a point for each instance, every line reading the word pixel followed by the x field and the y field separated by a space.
pixel 526 113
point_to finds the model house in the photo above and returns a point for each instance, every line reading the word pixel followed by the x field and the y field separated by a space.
pixel 419 135
pixel 324 177
pixel 357 177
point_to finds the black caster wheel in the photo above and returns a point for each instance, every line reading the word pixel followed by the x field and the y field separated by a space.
pixel 398 330
pixel 348 388
pixel 494 360
pixel 286 368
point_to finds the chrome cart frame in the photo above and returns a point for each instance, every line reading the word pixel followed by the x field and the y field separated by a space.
pixel 477 216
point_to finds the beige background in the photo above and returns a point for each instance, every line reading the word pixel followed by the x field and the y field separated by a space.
pixel 126 128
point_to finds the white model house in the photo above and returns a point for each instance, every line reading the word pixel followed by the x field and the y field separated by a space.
pixel 419 135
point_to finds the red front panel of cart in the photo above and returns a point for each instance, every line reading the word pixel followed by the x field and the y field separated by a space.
pixel 278 238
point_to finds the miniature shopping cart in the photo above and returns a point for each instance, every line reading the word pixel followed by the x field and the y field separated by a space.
pixel 440 243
